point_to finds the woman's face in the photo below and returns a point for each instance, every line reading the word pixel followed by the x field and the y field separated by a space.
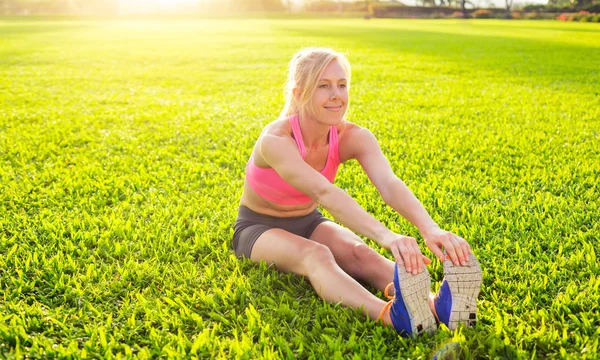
pixel 330 99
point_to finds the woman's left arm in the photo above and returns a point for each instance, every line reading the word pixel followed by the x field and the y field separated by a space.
pixel 396 194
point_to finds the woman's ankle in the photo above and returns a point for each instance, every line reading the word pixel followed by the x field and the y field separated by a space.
pixel 432 304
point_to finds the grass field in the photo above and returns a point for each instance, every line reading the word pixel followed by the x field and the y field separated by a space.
pixel 122 154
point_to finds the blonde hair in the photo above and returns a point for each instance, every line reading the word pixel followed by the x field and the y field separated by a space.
pixel 305 69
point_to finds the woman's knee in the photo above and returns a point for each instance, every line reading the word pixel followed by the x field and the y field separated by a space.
pixel 362 257
pixel 316 256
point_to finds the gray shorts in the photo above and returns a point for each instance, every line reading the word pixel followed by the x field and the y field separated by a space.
pixel 249 225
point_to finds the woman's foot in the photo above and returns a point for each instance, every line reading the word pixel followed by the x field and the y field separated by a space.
pixel 409 310
pixel 456 302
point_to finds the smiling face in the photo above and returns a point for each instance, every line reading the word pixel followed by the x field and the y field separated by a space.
pixel 330 99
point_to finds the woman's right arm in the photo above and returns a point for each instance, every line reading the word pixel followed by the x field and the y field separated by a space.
pixel 281 153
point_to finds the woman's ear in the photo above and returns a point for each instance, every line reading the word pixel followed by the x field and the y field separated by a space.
pixel 296 93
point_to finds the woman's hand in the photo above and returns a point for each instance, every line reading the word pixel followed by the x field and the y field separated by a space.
pixel 407 252
pixel 457 248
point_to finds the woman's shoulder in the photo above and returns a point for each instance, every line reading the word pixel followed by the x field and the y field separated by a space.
pixel 276 132
pixel 272 135
pixel 349 129
pixel 354 139
pixel 278 127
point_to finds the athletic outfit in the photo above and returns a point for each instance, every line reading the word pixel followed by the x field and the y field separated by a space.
pixel 249 224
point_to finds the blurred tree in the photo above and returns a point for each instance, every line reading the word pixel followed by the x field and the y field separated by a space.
pixel 508 14
pixel 463 7
pixel 571 3
pixel 450 3
pixel 561 3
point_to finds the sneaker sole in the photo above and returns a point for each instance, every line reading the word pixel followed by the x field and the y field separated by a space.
pixel 465 284
pixel 415 293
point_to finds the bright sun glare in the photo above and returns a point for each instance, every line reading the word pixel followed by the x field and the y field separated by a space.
pixel 190 6
pixel 153 6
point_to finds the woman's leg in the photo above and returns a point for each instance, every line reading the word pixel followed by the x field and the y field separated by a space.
pixel 354 256
pixel 357 258
pixel 292 253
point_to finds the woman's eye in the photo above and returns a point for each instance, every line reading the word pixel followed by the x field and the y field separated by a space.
pixel 343 85
pixel 323 86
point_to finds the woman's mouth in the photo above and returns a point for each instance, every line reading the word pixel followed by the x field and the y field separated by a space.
pixel 333 108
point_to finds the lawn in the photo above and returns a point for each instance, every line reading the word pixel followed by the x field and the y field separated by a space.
pixel 122 154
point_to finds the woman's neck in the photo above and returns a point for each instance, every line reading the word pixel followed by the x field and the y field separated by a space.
pixel 314 132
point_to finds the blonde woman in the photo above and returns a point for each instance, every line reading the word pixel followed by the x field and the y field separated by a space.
pixel 291 172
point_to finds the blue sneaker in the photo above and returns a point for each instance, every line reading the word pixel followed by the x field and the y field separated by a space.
pixel 409 307
pixel 456 302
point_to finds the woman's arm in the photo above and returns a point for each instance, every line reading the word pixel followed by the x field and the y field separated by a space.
pixel 397 195
pixel 281 153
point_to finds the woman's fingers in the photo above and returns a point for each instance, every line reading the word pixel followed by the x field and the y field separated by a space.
pixel 418 258
pixel 458 249
pixel 400 254
pixel 466 248
pixel 425 259
pixel 436 250
pixel 396 254
pixel 412 255
pixel 449 247
pixel 406 256
pixel 414 261
pixel 406 251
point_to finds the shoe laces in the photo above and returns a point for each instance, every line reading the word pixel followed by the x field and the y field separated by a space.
pixel 387 306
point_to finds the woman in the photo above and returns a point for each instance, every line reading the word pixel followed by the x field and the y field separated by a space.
pixel 291 172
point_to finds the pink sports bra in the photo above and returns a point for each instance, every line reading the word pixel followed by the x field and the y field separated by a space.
pixel 269 185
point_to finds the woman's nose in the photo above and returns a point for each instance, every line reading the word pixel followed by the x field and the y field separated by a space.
pixel 335 94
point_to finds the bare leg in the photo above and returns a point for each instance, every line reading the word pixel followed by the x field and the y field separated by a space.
pixel 356 257
pixel 292 253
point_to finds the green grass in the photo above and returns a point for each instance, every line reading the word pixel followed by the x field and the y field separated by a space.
pixel 122 154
